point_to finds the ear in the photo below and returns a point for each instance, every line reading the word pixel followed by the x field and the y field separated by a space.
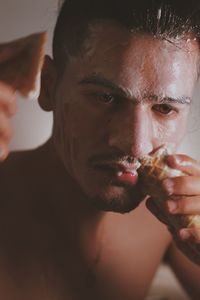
pixel 48 82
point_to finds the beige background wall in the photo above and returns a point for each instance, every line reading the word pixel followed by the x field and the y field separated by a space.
pixel 31 125
pixel 18 18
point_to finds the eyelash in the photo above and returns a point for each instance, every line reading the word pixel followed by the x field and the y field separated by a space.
pixel 106 98
pixel 109 99
pixel 170 107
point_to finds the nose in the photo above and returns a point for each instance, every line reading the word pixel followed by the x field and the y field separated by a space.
pixel 131 131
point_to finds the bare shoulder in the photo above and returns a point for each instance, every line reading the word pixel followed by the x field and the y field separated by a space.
pixel 23 199
pixel 15 164
pixel 21 170
pixel 20 187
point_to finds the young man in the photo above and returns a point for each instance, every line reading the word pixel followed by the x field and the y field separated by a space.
pixel 73 214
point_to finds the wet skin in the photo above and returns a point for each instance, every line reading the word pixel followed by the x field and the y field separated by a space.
pixel 114 103
pixel 117 101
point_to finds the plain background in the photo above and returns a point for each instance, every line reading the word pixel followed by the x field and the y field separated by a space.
pixel 31 125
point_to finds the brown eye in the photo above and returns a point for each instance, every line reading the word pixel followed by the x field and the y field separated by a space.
pixel 106 98
pixel 164 109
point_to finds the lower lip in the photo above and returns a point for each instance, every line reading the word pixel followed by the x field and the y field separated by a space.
pixel 123 177
pixel 127 178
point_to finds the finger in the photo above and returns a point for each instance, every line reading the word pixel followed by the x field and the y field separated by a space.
pixel 9 109
pixel 184 205
pixel 7 99
pixel 183 185
pixel 192 234
pixel 184 163
pixel 3 151
pixel 7 93
pixel 5 129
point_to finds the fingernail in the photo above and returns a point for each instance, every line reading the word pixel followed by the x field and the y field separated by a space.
pixel 172 206
pixel 184 234
pixel 168 186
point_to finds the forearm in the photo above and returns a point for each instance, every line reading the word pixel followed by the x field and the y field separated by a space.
pixel 186 271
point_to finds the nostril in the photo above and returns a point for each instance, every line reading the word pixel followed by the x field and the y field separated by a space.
pixel 130 160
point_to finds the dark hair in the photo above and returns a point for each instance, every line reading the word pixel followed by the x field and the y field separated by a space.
pixel 164 18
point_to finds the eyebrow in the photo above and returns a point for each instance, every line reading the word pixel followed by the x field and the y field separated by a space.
pixel 100 80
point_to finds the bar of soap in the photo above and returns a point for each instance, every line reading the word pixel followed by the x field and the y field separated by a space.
pixel 21 62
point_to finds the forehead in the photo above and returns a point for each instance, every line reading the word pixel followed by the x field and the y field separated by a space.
pixel 137 59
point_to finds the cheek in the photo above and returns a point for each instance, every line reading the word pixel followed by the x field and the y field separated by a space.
pixel 80 133
pixel 164 133
pixel 70 134
pixel 88 124
pixel 64 136
pixel 171 132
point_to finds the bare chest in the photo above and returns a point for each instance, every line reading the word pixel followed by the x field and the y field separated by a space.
pixel 122 267
pixel 129 254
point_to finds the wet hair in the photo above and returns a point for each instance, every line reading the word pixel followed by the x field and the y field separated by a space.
pixel 165 18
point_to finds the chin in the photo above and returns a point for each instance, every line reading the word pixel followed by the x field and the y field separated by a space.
pixel 117 199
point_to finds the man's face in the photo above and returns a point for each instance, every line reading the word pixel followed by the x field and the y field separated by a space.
pixel 124 96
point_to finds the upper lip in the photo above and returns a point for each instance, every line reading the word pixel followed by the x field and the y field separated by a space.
pixel 124 167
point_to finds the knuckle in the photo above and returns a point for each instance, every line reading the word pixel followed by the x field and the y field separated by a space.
pixel 183 205
pixel 183 181
pixel 180 184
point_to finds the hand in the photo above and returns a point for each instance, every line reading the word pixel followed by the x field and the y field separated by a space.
pixel 182 198
pixel 7 109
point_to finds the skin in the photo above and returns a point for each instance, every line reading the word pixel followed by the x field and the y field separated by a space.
pixel 102 252
pixel 184 192
pixel 123 131
pixel 7 110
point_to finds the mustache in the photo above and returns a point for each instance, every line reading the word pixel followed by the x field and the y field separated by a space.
pixel 114 158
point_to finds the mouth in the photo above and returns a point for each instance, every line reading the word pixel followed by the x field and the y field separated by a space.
pixel 120 172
